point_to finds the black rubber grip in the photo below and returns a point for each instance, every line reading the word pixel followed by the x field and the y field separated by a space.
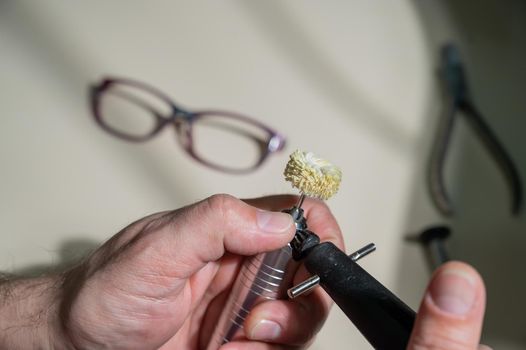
pixel 384 320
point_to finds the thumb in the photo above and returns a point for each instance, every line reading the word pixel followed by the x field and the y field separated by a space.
pixel 204 232
pixel 451 314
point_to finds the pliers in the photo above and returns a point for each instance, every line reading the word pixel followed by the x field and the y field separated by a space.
pixel 459 102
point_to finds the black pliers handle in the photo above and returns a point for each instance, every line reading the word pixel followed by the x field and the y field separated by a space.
pixel 460 102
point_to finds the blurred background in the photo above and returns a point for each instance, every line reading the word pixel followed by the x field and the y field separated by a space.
pixel 353 81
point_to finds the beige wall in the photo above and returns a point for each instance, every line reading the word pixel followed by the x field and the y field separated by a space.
pixel 350 80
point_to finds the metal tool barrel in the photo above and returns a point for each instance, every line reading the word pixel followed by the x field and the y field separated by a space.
pixel 262 277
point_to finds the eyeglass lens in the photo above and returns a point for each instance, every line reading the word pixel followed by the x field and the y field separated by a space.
pixel 131 111
pixel 228 142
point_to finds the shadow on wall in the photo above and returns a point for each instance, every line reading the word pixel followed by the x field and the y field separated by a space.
pixel 485 234
pixel 73 71
pixel 286 33
pixel 70 253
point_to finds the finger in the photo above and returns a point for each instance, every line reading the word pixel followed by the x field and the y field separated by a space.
pixel 451 314
pixel 254 345
pixel 293 323
pixel 484 347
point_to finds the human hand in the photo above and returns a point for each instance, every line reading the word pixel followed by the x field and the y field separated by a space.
pixel 161 282
pixel 451 314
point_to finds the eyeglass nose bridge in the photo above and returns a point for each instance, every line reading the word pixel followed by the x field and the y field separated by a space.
pixel 182 122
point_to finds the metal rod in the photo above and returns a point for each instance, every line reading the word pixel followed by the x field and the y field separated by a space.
pixel 304 287
pixel 312 282
pixel 300 200
pixel 360 253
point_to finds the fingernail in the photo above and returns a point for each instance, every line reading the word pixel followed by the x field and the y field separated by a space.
pixel 453 291
pixel 273 222
pixel 265 330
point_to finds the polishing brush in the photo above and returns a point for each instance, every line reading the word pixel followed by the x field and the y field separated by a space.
pixel 313 176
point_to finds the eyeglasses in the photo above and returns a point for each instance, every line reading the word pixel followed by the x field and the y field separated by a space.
pixel 224 141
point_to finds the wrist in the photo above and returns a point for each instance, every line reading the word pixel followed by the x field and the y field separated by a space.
pixel 29 317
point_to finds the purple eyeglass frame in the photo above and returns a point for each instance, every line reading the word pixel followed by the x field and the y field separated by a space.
pixel 183 120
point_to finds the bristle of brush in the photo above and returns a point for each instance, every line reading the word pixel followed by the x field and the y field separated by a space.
pixel 313 176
